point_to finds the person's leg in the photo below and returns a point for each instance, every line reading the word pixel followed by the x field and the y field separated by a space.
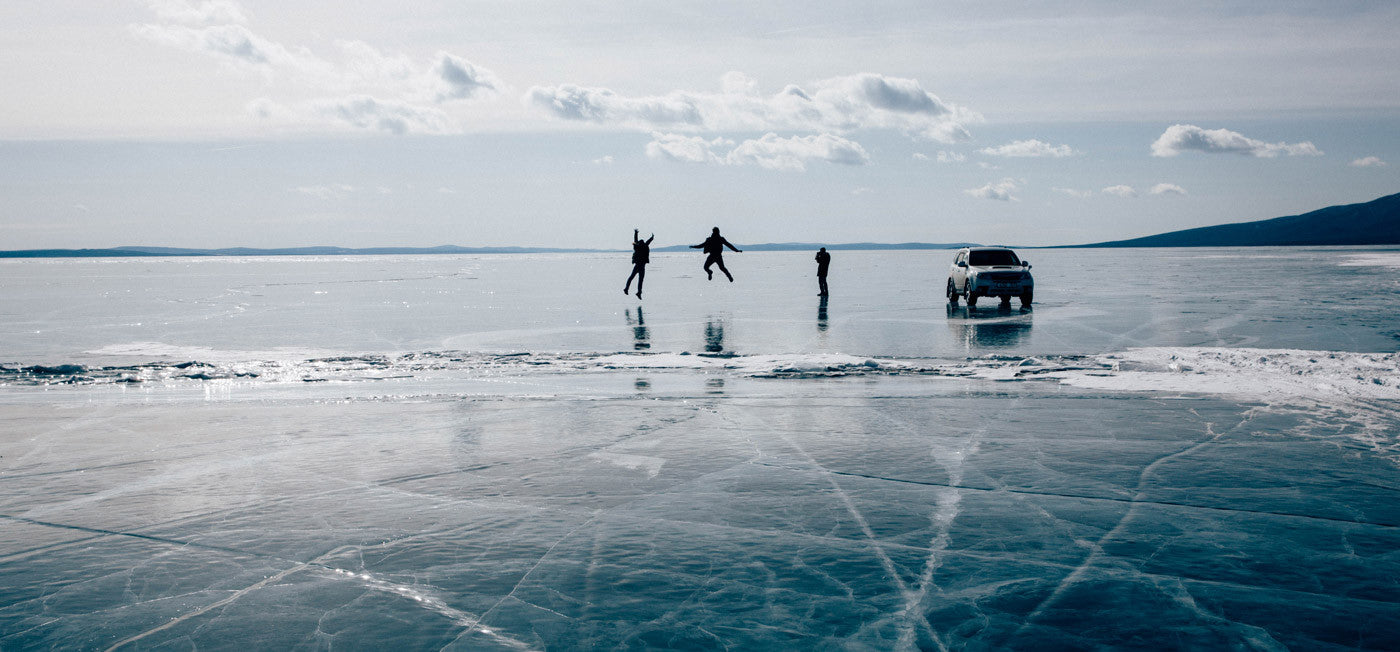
pixel 641 276
pixel 710 261
pixel 627 289
pixel 821 280
pixel 722 268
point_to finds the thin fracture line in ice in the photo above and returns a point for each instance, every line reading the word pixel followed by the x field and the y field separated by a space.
pixel 460 617
pixel 1175 588
pixel 864 525
pixel 476 624
pixel 1130 501
pixel 943 516
pixel 215 605
pixel 457 616
pixel 1096 551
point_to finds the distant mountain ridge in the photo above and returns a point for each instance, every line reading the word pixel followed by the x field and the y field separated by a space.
pixel 1375 222
pixel 131 251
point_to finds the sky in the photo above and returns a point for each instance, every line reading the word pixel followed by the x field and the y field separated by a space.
pixel 219 123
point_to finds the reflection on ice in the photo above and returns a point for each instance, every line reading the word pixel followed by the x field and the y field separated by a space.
pixel 640 334
pixel 714 335
pixel 989 327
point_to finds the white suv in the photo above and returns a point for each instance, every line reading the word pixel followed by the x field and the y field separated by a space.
pixel 990 272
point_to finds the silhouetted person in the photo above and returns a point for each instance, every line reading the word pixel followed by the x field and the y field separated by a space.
pixel 823 262
pixel 713 247
pixel 641 255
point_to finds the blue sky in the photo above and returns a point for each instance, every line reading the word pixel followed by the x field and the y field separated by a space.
pixel 224 123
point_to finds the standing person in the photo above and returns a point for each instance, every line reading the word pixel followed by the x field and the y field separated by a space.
pixel 714 246
pixel 641 255
pixel 823 261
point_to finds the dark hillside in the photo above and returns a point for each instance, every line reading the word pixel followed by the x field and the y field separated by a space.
pixel 1375 222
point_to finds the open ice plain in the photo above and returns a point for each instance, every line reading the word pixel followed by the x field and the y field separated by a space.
pixel 1177 449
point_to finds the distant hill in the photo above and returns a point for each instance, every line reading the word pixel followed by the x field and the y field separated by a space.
pixel 128 252
pixel 1375 222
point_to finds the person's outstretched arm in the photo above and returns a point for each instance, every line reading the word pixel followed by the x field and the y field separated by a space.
pixel 634 236
pixel 699 246
pixel 731 246
pixel 653 237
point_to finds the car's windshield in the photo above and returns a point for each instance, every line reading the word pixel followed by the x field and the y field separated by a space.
pixel 991 257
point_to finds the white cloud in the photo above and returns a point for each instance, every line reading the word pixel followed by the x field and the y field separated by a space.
pixel 945 156
pixel 1081 194
pixel 365 63
pixel 1029 149
pixel 604 160
pixel 839 104
pixel 1180 138
pixel 920 156
pixel 1120 191
pixel 690 149
pixel 457 79
pixel 986 166
pixel 235 45
pixel 384 92
pixel 359 111
pixel 776 153
pixel 998 190
pixel 771 151
pixel 1369 161
pixel 209 11
pixel 603 106
pixel 1167 188
pixel 860 191
pixel 444 190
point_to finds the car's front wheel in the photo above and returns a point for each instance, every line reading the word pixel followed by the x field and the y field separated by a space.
pixel 952 293
pixel 969 296
pixel 1026 298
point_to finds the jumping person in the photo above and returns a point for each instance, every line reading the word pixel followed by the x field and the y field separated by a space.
pixel 713 247
pixel 641 255
pixel 823 261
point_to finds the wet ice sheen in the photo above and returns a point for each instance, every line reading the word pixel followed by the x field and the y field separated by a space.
pixel 1177 472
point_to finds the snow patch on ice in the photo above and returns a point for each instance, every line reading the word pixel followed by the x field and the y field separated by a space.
pixel 652 465
pixel 1375 259
pixel 1245 372
pixel 1255 373
pixel 785 365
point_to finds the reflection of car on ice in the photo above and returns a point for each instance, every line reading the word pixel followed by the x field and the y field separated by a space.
pixel 990 272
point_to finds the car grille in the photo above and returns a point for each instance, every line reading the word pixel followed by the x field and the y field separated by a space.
pixel 1001 276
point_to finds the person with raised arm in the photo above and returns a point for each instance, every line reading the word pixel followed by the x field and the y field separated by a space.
pixel 713 247
pixel 641 255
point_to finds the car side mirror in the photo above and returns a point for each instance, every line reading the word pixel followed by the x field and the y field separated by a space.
pixel 962 263
pixel 1026 264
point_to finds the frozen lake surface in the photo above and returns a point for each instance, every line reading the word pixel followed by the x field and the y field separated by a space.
pixel 1175 449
